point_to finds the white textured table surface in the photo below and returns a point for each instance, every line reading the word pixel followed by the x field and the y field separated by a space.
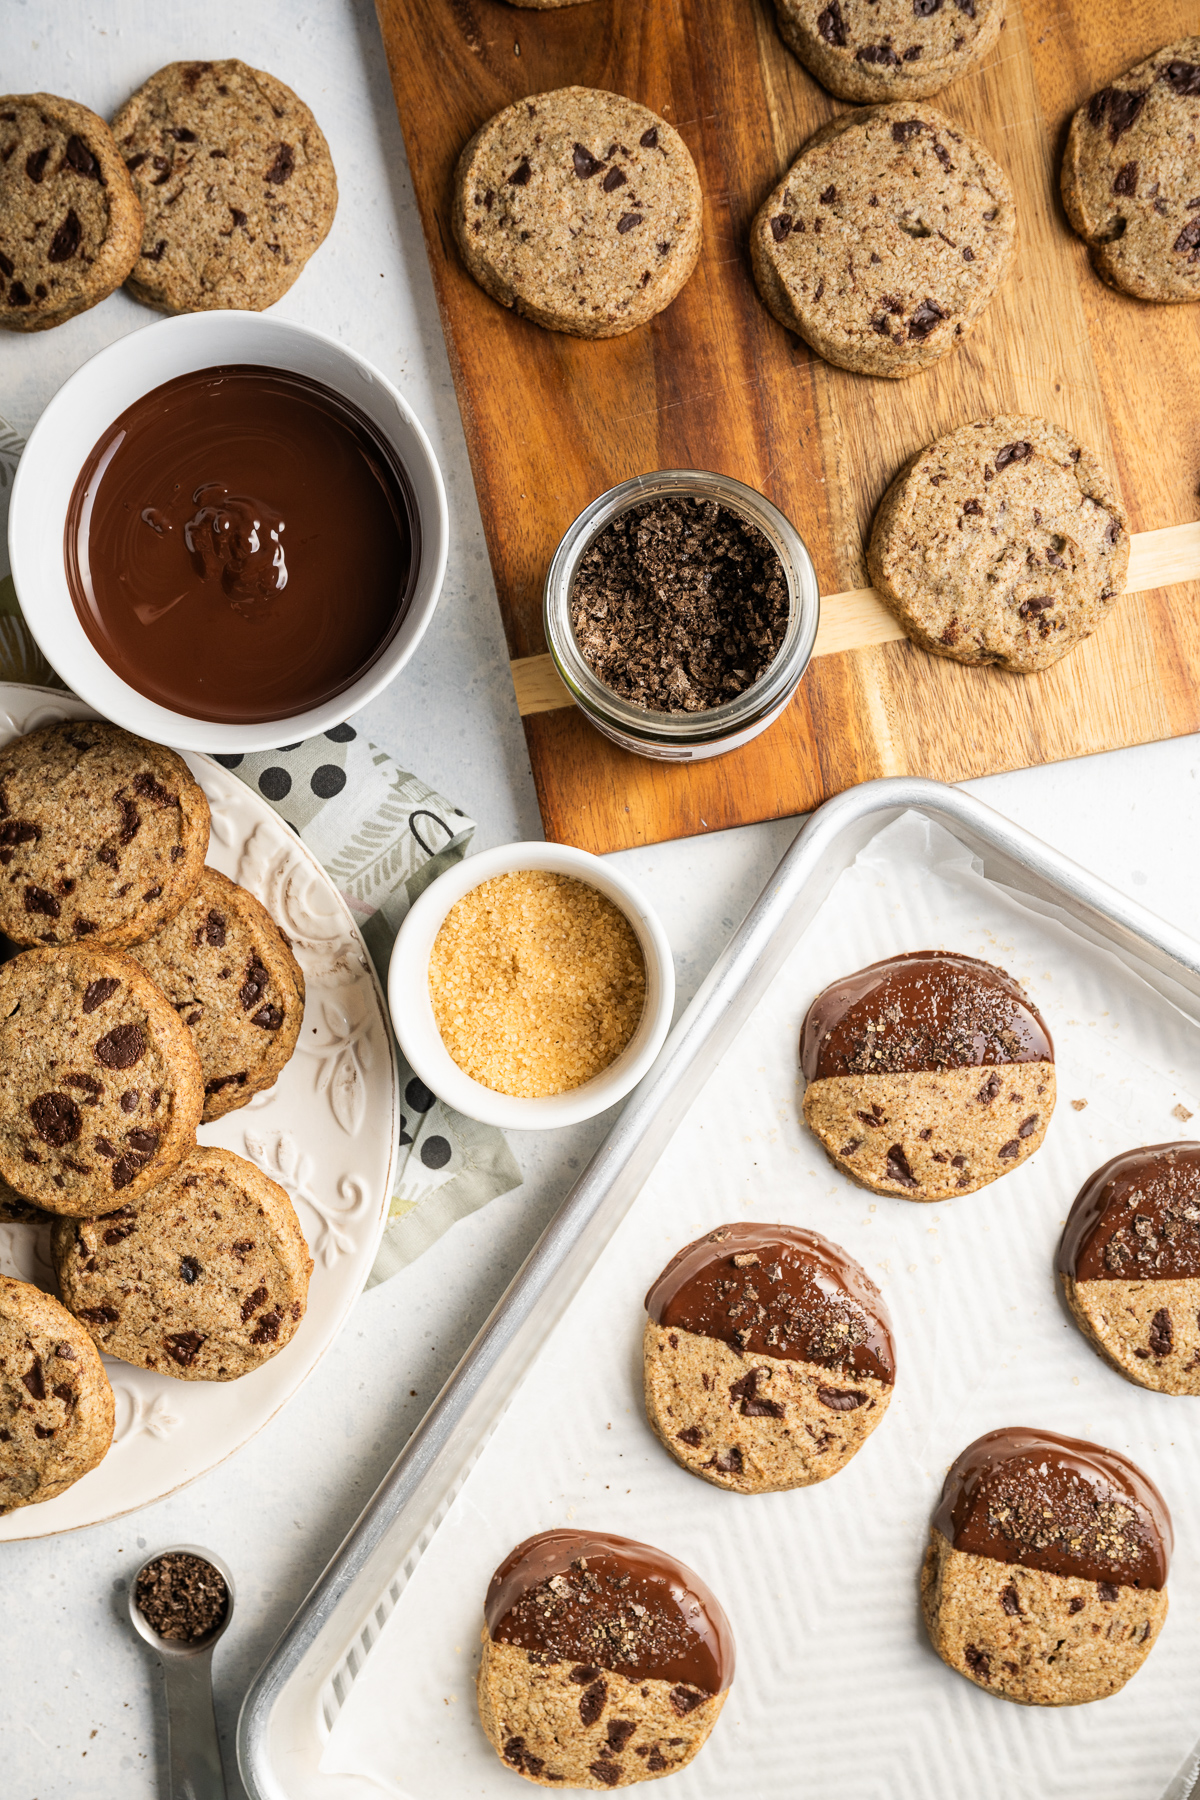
pixel 82 1709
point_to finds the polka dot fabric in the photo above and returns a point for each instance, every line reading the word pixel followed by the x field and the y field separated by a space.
pixel 298 778
pixel 383 836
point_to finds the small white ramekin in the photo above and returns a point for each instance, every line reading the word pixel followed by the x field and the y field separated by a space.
pixel 83 409
pixel 412 1009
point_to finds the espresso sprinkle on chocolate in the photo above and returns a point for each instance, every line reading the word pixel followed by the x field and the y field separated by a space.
pixel 1160 1225
pixel 971 1011
pixel 679 605
pixel 599 1619
pixel 1034 1513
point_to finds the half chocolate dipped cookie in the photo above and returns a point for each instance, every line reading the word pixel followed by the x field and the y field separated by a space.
pixel 1045 1580
pixel 1129 1263
pixel 605 1662
pixel 929 1074
pixel 768 1358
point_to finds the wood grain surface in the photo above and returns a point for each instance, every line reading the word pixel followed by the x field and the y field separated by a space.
pixel 714 382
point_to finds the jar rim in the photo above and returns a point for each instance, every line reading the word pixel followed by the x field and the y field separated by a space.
pixel 731 717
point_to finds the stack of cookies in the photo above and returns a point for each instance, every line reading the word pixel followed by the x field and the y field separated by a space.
pixel 144 993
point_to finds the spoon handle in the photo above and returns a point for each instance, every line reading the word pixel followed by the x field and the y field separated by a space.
pixel 192 1744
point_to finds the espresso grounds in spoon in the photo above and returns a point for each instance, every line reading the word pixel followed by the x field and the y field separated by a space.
pixel 182 1597
pixel 679 605
pixel 241 545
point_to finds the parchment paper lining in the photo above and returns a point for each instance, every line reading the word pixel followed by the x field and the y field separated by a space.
pixel 837 1691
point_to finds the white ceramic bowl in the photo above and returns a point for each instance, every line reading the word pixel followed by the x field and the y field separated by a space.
pixel 86 406
pixel 412 1009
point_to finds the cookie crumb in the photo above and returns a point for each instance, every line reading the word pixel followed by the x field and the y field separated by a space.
pixel 1079 1105
pixel 1181 1113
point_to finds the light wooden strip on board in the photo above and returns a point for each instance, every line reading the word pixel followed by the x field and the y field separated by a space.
pixel 1159 559
pixel 855 620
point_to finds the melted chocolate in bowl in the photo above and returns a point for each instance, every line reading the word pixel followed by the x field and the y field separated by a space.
pixel 928 1009
pixel 1058 1504
pixel 241 545
pixel 1137 1218
pixel 777 1290
pixel 606 1602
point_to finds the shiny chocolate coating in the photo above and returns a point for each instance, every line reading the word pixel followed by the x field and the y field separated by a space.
pixel 777 1290
pixel 241 544
pixel 1137 1218
pixel 927 1009
pixel 606 1602
pixel 1058 1504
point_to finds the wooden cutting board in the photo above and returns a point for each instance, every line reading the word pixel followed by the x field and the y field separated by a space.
pixel 714 382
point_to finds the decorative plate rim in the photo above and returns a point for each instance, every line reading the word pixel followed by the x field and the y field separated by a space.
pixel 15 701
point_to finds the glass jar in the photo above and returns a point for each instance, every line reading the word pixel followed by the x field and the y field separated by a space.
pixel 684 736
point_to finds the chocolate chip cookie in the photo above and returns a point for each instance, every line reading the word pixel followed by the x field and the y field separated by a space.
pixel 580 209
pixel 889 49
pixel 1045 1577
pixel 929 1075
pixel 102 1092
pixel 17 1211
pixel 605 1662
pixel 102 835
pixel 70 222
pixel 56 1404
pixel 1004 542
pixel 1129 1263
pixel 236 182
pixel 229 972
pixel 204 1278
pixel 885 240
pixel 768 1358
pixel 1131 176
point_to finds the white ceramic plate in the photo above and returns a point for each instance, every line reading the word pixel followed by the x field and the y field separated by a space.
pixel 327 1132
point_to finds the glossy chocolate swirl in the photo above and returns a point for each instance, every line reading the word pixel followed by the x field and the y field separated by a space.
pixel 927 1009
pixel 241 544
pixel 776 1290
pixel 1137 1218
pixel 1058 1504
pixel 606 1602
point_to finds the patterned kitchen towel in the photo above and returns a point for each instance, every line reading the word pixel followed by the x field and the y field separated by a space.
pixel 383 836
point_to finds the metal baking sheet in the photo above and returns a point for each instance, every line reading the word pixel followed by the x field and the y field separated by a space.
pixel 300 1691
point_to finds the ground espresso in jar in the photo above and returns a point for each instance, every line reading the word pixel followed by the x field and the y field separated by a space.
pixel 679 605
pixel 241 544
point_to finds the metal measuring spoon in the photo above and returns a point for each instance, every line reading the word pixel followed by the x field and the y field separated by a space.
pixel 193 1748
